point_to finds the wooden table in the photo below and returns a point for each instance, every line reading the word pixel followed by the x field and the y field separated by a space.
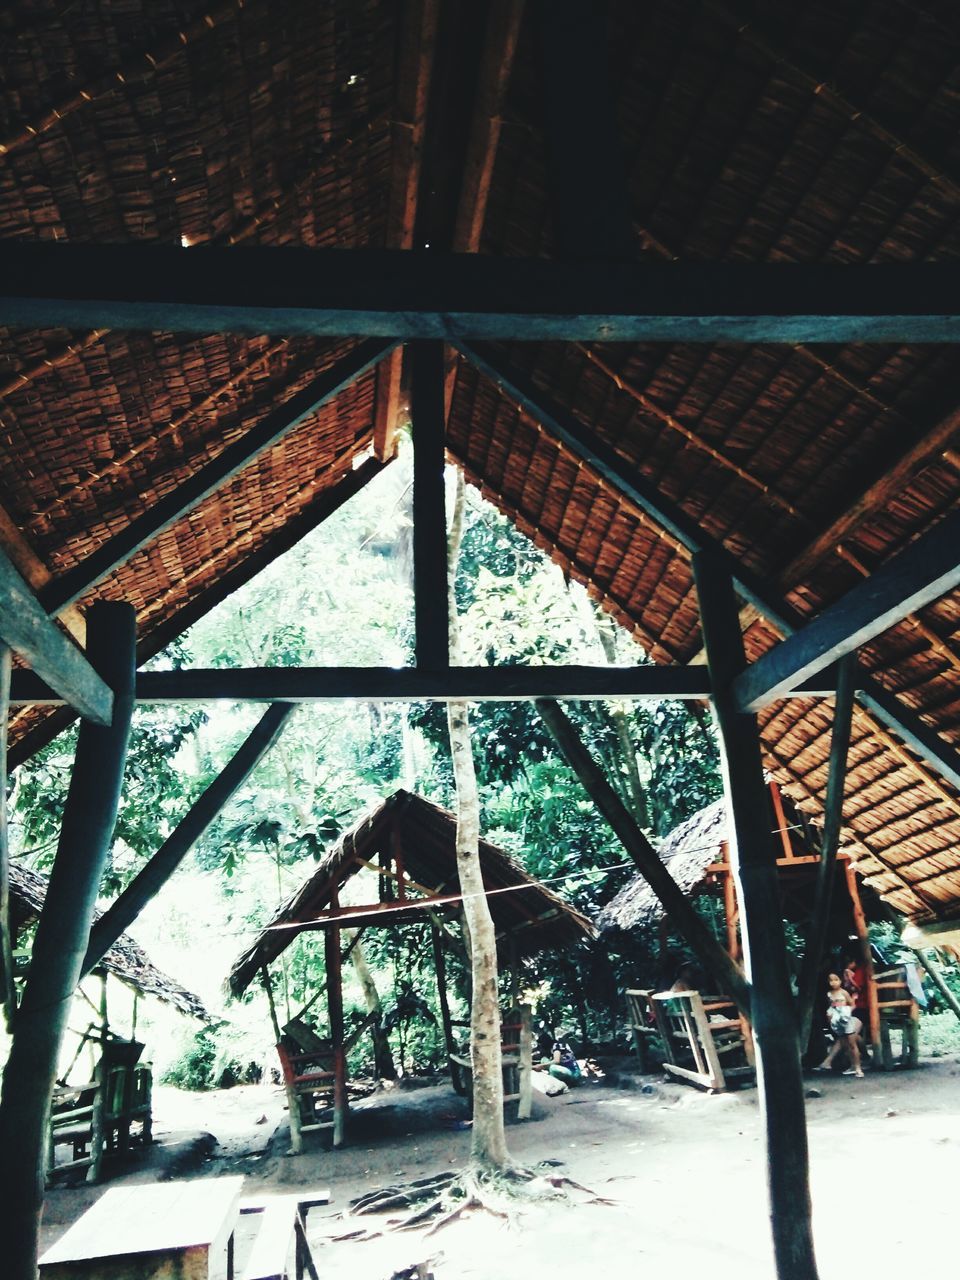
pixel 162 1231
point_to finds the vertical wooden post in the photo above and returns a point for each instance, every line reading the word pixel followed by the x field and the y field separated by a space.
pixel 827 866
pixel 440 967
pixel 777 801
pixel 731 908
pixel 8 991
pixel 525 1102
pixel 753 855
pixel 89 817
pixel 429 508
pixel 514 969
pixel 866 959
pixel 331 947
pixel 293 1102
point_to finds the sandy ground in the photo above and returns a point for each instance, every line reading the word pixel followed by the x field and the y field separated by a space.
pixel 685 1169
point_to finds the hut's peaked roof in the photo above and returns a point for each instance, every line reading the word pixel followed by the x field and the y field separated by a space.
pixel 687 851
pixel 520 905
pixel 126 959
pixel 810 133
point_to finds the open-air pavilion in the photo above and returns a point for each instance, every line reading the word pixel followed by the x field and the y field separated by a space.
pixel 398 867
pixel 674 284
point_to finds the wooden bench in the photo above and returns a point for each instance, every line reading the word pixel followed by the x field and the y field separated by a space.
pixel 152 1232
pixel 96 1117
pixel 280 1232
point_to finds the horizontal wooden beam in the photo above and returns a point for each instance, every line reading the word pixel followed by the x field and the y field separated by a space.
pixel 626 479
pixel 927 569
pixel 237 455
pixel 410 684
pixel 413 294
pixel 51 656
pixel 391 684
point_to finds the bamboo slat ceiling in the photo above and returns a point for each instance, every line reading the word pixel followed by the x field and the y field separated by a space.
pixel 762 132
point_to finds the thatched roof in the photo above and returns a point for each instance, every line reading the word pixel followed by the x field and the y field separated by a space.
pixel 795 133
pixel 126 959
pixel 521 906
pixel 687 851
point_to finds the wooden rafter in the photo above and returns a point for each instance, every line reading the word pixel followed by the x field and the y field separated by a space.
pixel 34 572
pixel 924 571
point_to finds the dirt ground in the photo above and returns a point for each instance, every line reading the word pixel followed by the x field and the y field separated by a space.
pixel 685 1169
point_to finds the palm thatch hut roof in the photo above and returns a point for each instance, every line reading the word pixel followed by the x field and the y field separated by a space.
pixel 687 852
pixel 522 908
pixel 126 960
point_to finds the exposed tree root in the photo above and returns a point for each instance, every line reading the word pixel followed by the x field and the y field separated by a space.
pixel 446 1197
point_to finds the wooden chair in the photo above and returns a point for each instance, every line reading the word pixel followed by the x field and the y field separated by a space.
pixel 308 1063
pixel 899 1011
pixel 703 1037
pixel 516 1058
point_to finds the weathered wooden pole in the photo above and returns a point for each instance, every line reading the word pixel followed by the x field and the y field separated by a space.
pixel 753 856
pixel 829 844
pixel 152 877
pixel 866 959
pixel 429 514
pixel 440 967
pixel 721 968
pixel 331 942
pixel 89 818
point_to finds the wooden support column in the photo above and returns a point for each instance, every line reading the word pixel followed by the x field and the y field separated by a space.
pixel 721 969
pixel 440 968
pixel 826 868
pixel 151 878
pixel 331 951
pixel 8 991
pixel 89 818
pixel 753 856
pixel 429 508
pixel 866 959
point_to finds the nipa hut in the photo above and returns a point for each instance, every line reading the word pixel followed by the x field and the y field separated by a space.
pixel 397 866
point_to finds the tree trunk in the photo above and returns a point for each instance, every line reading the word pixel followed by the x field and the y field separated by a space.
pixel 628 752
pixel 383 1063
pixel 89 818
pixel 489 1147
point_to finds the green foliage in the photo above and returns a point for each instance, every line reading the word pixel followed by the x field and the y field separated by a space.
pixel 212 1058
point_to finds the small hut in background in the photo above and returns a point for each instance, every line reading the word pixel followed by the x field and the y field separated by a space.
pixel 697 855
pixel 397 866
pixel 96 1116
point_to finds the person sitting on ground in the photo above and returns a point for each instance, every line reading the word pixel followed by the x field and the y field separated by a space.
pixel 844 1025
pixel 564 1065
